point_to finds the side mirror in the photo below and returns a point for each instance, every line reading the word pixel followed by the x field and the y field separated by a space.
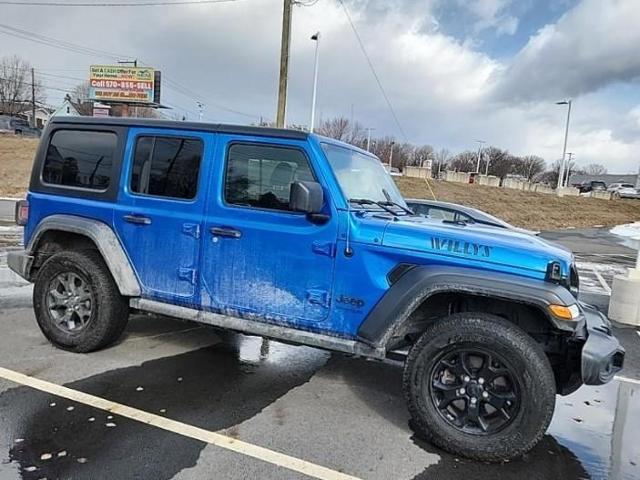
pixel 306 197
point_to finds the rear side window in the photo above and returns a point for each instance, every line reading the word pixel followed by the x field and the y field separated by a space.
pixel 166 167
pixel 80 158
pixel 260 176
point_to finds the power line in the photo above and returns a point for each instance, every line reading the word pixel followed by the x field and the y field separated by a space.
pixel 61 44
pixel 373 70
pixel 112 4
pixel 75 48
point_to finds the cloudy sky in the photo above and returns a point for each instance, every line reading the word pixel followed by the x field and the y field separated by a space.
pixel 454 70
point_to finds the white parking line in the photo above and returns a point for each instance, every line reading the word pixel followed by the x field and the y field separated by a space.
pixel 601 280
pixel 627 380
pixel 214 438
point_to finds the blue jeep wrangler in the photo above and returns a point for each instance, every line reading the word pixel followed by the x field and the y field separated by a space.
pixel 307 240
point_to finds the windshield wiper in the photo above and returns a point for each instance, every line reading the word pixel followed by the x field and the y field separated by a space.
pixel 391 203
pixel 366 201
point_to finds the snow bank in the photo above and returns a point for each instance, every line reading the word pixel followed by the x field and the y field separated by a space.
pixel 629 230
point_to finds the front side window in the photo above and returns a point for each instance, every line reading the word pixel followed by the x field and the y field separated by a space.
pixel 260 176
pixel 166 167
pixel 80 158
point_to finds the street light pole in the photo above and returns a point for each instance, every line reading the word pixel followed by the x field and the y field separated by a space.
pixel 369 138
pixel 316 37
pixel 200 110
pixel 564 149
pixel 391 156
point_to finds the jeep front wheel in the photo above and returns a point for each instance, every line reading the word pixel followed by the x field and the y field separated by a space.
pixel 77 304
pixel 480 387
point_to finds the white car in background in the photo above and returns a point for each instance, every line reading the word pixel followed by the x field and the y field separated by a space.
pixel 623 190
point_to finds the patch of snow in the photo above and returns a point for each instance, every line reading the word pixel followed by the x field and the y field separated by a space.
pixel 629 230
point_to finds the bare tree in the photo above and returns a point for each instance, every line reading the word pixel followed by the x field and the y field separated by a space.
pixel 337 128
pixel 15 85
pixel 442 157
pixel 80 97
pixel 595 169
pixel 529 166
pixel 341 128
pixel 464 161
pixel 421 155
pixel 551 176
pixel 501 163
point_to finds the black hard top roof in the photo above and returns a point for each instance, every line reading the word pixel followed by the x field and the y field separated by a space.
pixel 205 127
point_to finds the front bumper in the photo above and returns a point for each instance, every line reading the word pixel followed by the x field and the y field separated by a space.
pixel 20 262
pixel 602 354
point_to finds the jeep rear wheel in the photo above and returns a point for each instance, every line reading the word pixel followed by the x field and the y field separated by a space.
pixel 77 304
pixel 480 387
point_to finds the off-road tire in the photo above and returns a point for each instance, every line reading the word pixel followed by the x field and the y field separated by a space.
pixel 110 310
pixel 518 349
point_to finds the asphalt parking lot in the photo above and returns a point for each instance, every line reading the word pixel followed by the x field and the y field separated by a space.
pixel 174 400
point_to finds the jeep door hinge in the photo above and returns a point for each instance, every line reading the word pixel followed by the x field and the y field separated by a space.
pixel 324 248
pixel 318 297
pixel 187 274
pixel 191 229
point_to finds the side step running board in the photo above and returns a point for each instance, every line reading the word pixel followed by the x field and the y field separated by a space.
pixel 255 327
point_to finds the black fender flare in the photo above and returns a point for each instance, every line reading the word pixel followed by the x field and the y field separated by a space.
pixel 420 282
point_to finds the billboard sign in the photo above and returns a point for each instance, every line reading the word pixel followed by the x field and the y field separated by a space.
pixel 118 83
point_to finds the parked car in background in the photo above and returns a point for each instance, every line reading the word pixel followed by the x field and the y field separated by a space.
pixel 393 171
pixel 623 190
pixel 591 185
pixel 17 126
pixel 453 212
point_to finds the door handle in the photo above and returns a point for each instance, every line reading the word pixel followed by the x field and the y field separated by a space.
pixel 225 232
pixel 137 219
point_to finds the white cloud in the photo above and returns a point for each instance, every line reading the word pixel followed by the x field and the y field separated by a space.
pixel 591 46
pixel 446 92
pixel 491 14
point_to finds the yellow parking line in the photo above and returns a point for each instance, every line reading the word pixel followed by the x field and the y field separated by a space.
pixel 223 441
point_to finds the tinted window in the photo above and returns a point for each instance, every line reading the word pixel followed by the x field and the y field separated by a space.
pixel 166 167
pixel 80 158
pixel 261 176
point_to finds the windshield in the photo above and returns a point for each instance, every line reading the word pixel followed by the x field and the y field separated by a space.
pixel 361 176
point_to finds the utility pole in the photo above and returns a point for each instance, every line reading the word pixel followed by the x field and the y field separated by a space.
pixel 565 181
pixel 481 142
pixel 284 63
pixel 33 99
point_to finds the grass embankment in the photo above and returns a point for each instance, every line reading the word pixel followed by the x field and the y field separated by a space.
pixel 525 209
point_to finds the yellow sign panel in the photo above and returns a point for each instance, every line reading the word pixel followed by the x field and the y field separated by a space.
pixel 117 83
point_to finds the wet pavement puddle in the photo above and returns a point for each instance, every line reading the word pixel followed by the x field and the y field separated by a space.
pixel 593 435
pixel 213 388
